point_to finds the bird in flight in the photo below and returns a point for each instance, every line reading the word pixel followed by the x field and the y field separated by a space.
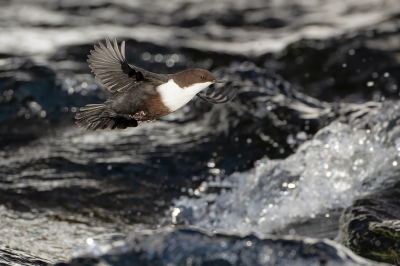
pixel 142 96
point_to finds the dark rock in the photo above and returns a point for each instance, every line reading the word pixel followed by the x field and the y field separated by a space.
pixel 371 226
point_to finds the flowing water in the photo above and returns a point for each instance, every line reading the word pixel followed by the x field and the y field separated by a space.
pixel 274 174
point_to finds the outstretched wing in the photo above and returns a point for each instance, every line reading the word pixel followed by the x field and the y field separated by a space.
pixel 218 95
pixel 113 71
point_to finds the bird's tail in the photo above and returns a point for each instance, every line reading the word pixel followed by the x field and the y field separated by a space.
pixel 98 117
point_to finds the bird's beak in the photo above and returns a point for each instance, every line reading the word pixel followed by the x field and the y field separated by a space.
pixel 219 81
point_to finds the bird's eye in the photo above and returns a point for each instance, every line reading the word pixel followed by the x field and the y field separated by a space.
pixel 202 77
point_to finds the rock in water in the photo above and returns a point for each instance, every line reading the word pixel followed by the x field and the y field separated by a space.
pixel 371 230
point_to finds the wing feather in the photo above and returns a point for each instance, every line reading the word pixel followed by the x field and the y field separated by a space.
pixel 111 68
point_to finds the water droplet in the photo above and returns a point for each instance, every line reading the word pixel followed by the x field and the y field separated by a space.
pixel 89 241
pixel 158 57
pixel 146 56
pixel 328 174
pixel 170 63
pixel 175 57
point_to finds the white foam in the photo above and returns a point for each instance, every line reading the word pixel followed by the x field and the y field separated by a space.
pixel 326 173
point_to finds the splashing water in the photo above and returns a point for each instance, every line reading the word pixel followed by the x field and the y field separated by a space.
pixel 325 174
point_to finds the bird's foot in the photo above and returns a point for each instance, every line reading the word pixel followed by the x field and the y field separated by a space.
pixel 138 115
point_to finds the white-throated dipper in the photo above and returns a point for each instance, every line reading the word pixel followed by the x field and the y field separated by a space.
pixel 142 96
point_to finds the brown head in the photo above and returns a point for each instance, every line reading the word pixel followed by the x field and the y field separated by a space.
pixel 194 76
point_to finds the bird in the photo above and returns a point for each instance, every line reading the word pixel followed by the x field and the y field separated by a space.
pixel 140 95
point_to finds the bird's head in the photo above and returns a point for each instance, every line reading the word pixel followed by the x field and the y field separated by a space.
pixel 195 79
pixel 199 75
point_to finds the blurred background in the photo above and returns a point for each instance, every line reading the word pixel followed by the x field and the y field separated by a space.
pixel 308 148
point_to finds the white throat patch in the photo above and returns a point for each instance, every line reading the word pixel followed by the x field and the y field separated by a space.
pixel 174 97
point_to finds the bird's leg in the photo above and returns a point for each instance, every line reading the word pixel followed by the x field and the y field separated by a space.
pixel 138 116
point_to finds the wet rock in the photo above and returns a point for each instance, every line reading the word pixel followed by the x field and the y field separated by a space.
pixel 371 226
pixel 170 246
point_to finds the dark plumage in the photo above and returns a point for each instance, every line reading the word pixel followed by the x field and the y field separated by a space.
pixel 141 96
